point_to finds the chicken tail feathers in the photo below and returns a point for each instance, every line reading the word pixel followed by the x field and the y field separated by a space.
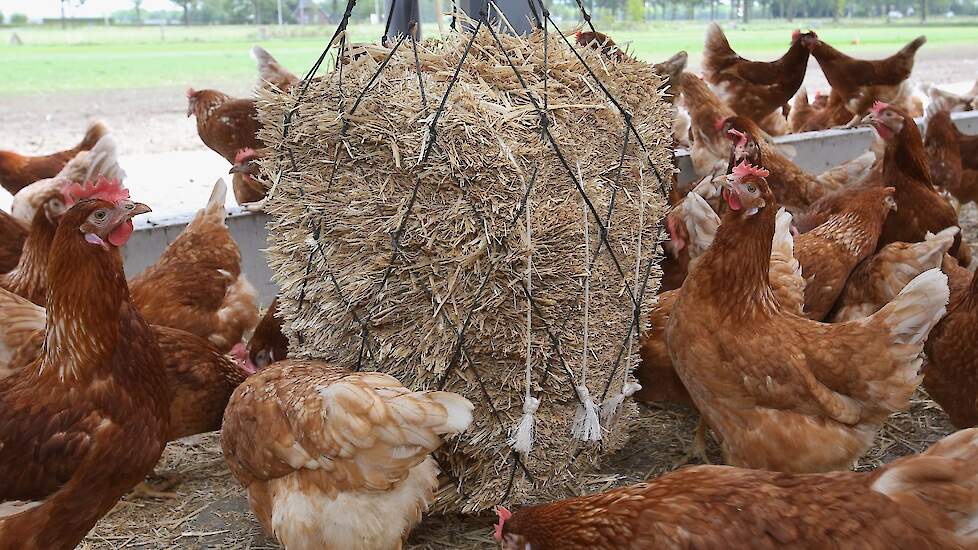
pixel 400 427
pixel 271 71
pixel 911 48
pixel 94 133
pixel 717 49
pixel 944 479
pixel 918 307
pixel 215 203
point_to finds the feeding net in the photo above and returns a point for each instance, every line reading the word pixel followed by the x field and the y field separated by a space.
pixel 470 214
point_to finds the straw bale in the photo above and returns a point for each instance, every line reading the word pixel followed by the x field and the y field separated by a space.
pixel 349 190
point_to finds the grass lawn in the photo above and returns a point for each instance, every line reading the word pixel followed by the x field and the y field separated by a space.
pixel 125 57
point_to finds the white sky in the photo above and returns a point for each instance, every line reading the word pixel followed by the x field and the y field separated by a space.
pixel 91 8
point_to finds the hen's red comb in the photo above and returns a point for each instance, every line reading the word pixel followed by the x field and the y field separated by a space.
pixel 104 189
pixel 744 169
pixel 191 93
pixel 242 154
pixel 718 125
pixel 504 515
pixel 879 106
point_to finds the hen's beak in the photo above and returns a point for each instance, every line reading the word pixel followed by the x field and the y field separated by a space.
pixel 868 120
pixel 139 208
pixel 237 168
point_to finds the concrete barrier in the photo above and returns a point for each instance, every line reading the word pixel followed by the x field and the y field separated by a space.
pixel 815 152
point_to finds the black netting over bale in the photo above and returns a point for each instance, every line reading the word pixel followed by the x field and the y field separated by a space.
pixel 413 188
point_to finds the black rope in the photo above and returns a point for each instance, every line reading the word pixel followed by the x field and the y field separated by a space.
pixel 387 26
pixel 584 14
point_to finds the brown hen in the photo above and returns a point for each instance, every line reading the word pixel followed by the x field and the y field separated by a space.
pixel 924 501
pixel 197 284
pixel 19 171
pixel 780 389
pixel 91 412
pixel 756 89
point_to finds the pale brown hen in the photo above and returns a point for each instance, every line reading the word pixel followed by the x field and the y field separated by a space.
pixel 830 252
pixel 710 152
pixel 337 460
pixel 878 279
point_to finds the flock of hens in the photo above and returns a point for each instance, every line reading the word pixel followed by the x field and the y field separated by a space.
pixel 796 314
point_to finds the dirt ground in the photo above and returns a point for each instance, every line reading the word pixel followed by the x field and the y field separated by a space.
pixel 210 510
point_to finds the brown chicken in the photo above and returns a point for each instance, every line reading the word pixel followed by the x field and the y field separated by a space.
pixel 863 82
pixel 21 321
pixel 710 153
pixel 19 171
pixel 779 389
pixel 197 284
pixel 199 376
pixel 29 279
pixel 878 279
pixel 337 460
pixel 655 372
pixel 919 206
pixel 271 71
pixel 833 112
pixel 599 40
pixel 244 180
pixel 756 89
pixel 923 501
pixel 943 144
pixel 830 252
pixel 101 160
pixel 793 188
pixel 941 100
pixel 13 233
pixel 951 372
pixel 91 412
pixel 224 124
pixel 268 344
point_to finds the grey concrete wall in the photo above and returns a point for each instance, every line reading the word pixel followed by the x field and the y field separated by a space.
pixel 815 152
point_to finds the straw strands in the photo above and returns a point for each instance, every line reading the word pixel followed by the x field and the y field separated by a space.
pixel 401 243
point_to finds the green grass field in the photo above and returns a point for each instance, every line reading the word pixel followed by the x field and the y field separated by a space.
pixel 129 57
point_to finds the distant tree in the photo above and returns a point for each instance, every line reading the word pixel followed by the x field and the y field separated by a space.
pixel 136 5
pixel 636 10
pixel 1 18
pixel 18 19
pixel 186 5
pixel 923 11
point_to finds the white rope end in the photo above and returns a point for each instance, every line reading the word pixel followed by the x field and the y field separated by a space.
pixel 521 436
pixel 611 406
pixel 587 425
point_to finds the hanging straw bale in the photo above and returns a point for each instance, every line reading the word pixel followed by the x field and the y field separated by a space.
pixel 350 297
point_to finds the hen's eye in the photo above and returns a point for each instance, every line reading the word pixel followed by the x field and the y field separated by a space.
pixel 751 189
pixel 100 215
